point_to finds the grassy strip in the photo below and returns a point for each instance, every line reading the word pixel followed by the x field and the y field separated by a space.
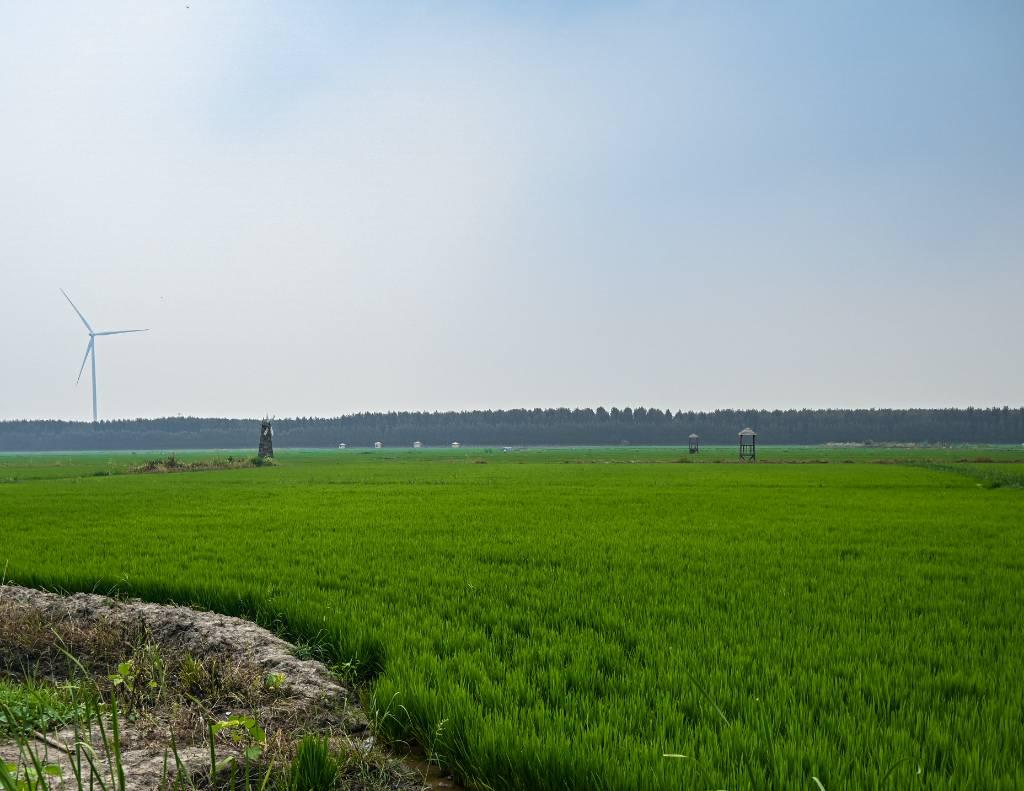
pixel 35 705
pixel 172 463
pixel 985 471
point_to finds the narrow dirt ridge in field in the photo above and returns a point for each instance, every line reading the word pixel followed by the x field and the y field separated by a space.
pixel 40 630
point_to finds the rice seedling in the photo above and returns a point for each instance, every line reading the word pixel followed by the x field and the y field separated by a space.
pixel 314 767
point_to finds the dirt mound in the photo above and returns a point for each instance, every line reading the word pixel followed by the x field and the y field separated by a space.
pixel 306 683
pixel 251 673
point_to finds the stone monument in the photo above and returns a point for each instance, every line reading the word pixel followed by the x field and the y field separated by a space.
pixel 266 439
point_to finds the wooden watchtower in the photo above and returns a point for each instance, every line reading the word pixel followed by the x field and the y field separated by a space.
pixel 748 445
pixel 694 443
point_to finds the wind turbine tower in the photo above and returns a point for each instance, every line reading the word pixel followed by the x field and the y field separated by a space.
pixel 90 350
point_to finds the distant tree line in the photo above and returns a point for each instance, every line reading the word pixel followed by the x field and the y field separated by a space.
pixel 640 426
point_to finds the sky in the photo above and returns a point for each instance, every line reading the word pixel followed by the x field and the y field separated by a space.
pixel 326 208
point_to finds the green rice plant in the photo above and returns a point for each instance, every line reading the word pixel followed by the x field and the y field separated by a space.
pixel 314 767
pixel 532 624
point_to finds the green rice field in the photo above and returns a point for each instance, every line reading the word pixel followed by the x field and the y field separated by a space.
pixel 598 618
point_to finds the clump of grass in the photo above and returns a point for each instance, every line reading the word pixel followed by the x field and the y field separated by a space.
pixel 172 463
pixel 314 767
pixel 165 464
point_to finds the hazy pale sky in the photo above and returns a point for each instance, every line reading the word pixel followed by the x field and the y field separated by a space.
pixel 322 208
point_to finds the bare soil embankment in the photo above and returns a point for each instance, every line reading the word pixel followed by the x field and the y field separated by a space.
pixel 175 671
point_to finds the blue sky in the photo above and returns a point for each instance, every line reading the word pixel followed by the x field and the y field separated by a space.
pixel 460 205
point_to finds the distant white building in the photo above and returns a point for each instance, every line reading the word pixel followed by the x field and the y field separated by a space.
pixel 456 444
pixel 417 444
pixel 378 445
pixel 342 446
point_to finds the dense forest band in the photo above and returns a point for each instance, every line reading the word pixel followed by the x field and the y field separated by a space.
pixel 639 426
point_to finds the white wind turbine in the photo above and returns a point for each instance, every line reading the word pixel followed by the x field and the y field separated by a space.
pixel 91 350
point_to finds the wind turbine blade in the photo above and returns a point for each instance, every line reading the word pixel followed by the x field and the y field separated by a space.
pixel 119 332
pixel 62 291
pixel 84 360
